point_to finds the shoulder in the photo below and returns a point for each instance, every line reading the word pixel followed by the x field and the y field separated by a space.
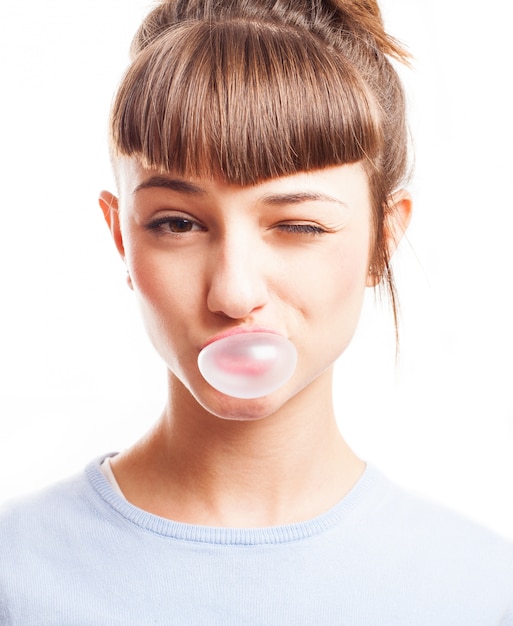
pixel 38 514
pixel 51 544
pixel 50 513
pixel 416 516
pixel 38 502
pixel 432 538
pixel 435 564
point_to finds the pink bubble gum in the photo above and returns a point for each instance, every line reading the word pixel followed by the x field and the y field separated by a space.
pixel 248 365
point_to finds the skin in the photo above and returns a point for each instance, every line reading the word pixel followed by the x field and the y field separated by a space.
pixel 290 255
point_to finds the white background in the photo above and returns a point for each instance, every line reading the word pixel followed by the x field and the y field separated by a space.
pixel 77 376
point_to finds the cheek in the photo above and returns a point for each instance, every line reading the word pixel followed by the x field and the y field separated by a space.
pixel 333 293
pixel 148 279
pixel 352 279
pixel 337 282
pixel 165 293
pixel 156 274
pixel 166 305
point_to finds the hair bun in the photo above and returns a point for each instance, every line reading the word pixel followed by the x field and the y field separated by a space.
pixel 157 22
pixel 362 17
pixel 365 16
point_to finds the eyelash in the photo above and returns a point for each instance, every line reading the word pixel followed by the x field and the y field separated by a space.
pixel 303 229
pixel 158 224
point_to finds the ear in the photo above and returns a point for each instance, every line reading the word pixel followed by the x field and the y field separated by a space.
pixel 110 209
pixel 397 219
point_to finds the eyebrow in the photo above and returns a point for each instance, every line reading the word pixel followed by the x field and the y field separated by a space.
pixel 280 199
pixel 174 184
pixel 274 199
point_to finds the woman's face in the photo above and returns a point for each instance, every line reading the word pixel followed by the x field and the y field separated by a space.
pixel 290 255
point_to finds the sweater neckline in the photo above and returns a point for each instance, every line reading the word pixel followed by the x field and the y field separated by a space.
pixel 115 507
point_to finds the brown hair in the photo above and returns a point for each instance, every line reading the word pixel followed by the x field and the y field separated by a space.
pixel 248 90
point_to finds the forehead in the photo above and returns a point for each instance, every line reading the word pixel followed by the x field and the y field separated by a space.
pixel 343 184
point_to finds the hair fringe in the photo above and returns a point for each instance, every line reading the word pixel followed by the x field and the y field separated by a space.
pixel 247 102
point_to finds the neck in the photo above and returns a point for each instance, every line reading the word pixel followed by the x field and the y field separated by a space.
pixel 197 468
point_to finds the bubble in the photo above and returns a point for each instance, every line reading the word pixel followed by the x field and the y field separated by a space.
pixel 248 365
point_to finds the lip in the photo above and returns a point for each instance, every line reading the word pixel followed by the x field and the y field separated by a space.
pixel 238 330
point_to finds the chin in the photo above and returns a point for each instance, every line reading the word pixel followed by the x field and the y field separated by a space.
pixel 236 410
pixel 243 410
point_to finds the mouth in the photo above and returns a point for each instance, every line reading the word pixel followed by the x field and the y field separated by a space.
pixel 247 362
pixel 240 362
pixel 238 330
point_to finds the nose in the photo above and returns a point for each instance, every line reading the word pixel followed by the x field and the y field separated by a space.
pixel 237 285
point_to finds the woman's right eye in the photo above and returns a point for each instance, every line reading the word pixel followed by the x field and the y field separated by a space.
pixel 174 225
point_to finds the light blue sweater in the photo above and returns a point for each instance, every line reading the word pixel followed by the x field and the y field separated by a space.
pixel 78 554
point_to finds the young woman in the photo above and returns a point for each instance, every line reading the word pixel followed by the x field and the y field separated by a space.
pixel 260 153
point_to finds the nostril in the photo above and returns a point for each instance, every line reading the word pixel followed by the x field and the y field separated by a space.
pixel 236 290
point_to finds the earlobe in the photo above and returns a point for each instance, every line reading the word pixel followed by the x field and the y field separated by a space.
pixel 110 209
pixel 373 278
